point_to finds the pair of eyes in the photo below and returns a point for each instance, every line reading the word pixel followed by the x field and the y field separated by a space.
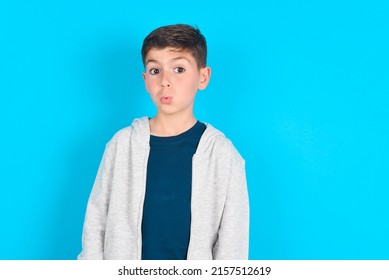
pixel 155 71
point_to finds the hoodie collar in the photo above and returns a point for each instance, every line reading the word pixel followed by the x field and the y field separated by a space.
pixel 142 132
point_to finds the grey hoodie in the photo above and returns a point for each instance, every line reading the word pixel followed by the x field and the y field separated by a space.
pixel 219 201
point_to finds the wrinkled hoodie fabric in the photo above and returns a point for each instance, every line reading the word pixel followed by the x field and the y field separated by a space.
pixel 219 201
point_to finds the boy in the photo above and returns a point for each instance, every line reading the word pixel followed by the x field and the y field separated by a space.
pixel 169 187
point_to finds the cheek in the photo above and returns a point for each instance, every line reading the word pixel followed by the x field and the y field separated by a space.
pixel 190 84
pixel 151 85
pixel 194 85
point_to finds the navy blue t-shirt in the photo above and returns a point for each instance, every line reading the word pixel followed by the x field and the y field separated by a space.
pixel 166 210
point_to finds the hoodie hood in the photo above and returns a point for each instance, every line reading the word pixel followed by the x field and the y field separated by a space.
pixel 141 130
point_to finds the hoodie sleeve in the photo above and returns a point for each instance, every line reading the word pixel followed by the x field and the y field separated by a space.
pixel 96 213
pixel 233 235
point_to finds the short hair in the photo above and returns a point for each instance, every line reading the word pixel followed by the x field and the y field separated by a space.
pixel 180 36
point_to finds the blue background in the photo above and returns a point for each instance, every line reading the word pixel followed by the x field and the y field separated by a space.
pixel 301 88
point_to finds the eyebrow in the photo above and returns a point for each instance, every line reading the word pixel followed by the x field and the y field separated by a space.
pixel 181 57
pixel 151 60
pixel 173 59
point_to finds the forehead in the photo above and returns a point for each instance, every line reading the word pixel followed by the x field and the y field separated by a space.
pixel 168 54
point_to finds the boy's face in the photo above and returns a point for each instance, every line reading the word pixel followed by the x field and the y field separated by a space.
pixel 172 79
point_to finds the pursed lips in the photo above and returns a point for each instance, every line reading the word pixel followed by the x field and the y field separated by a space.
pixel 166 99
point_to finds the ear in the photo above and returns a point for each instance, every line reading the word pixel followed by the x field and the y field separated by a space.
pixel 144 80
pixel 205 75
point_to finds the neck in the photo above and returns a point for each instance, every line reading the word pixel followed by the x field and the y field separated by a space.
pixel 165 125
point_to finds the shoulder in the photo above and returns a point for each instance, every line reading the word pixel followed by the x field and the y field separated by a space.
pixel 215 141
pixel 139 129
pixel 137 133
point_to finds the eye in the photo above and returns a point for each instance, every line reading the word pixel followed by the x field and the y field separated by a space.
pixel 154 71
pixel 179 70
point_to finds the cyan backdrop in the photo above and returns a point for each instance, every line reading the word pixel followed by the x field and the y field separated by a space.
pixel 301 88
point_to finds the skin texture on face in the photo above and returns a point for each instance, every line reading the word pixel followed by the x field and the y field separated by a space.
pixel 172 79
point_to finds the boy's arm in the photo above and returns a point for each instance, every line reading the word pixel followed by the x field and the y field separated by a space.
pixel 96 214
pixel 233 235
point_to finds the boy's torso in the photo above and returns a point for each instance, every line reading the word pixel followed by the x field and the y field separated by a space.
pixel 166 210
pixel 128 152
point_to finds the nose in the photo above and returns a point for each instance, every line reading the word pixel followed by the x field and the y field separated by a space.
pixel 165 82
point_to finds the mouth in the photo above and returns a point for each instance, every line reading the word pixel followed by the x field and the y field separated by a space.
pixel 166 99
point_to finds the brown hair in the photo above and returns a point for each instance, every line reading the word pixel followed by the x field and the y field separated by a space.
pixel 179 36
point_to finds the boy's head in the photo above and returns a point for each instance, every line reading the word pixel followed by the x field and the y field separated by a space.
pixel 182 37
pixel 174 57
